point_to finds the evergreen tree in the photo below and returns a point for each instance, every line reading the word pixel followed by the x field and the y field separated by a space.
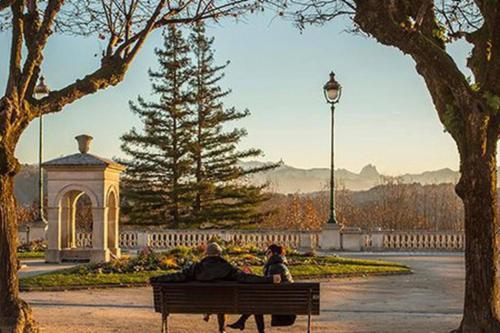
pixel 221 194
pixel 156 188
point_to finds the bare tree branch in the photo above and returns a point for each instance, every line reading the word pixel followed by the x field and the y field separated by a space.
pixel 4 4
pixel 35 51
pixel 16 48
pixel 109 74
pixel 115 62
pixel 147 30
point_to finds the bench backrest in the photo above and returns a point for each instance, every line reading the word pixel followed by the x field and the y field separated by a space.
pixel 236 298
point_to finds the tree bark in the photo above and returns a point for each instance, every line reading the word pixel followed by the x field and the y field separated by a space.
pixel 15 314
pixel 477 189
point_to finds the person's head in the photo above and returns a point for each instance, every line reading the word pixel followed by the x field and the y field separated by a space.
pixel 274 250
pixel 213 250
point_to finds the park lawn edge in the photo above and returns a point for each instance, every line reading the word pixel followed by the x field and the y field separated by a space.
pixel 30 255
pixel 64 280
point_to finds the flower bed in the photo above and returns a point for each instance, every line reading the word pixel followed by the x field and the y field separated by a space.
pixel 137 270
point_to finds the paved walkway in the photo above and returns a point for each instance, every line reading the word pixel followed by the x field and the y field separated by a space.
pixel 428 301
pixel 38 266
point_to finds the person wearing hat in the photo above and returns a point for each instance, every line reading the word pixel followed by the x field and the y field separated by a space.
pixel 211 268
pixel 276 264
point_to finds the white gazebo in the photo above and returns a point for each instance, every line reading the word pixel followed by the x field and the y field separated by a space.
pixel 68 179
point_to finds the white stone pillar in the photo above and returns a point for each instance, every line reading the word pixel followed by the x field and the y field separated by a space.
pixel 53 252
pixel 352 239
pixel 305 241
pixel 142 239
pixel 100 251
pixel 114 232
pixel 225 236
pixel 65 220
pixel 23 235
pixel 329 238
pixel 378 239
pixel 72 223
pixel 38 232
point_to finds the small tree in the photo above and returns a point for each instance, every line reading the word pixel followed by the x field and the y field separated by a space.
pixel 156 184
pixel 221 193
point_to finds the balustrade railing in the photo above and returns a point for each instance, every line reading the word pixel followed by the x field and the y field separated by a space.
pixel 379 240
pixel 424 240
pixel 84 239
pixel 413 240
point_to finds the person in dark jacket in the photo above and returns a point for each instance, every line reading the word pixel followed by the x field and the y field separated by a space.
pixel 211 268
pixel 275 265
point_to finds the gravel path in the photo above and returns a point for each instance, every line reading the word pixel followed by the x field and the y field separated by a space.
pixel 428 301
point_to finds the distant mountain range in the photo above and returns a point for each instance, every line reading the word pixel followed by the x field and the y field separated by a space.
pixel 287 179
pixel 284 179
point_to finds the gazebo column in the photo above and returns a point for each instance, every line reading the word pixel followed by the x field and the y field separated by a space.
pixel 53 252
pixel 65 218
pixel 113 231
pixel 100 250
pixel 68 220
pixel 72 221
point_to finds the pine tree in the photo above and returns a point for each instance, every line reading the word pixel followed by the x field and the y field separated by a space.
pixel 156 187
pixel 221 194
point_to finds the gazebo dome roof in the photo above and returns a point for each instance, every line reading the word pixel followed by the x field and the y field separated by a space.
pixel 80 159
pixel 83 158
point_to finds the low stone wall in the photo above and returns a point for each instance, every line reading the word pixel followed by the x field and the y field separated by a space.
pixel 414 240
pixel 351 239
pixel 168 238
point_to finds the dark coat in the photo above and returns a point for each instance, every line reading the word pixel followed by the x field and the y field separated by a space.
pixel 211 269
pixel 277 265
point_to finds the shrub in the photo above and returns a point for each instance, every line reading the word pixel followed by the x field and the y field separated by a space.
pixel 33 246
pixel 310 254
pixel 181 256
pixel 181 251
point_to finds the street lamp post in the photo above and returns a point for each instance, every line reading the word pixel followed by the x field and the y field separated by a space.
pixel 41 91
pixel 332 90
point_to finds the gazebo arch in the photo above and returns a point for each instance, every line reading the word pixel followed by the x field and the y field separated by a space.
pixel 68 179
pixel 80 188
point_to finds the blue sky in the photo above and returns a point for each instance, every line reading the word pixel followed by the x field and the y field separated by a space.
pixel 385 116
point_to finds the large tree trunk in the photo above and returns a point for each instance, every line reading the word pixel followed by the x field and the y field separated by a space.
pixel 477 188
pixel 15 314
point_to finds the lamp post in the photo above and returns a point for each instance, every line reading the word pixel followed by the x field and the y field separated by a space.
pixel 332 90
pixel 41 91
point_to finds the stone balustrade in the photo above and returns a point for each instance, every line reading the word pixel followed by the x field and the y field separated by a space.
pixel 352 239
pixel 427 240
pixel 84 240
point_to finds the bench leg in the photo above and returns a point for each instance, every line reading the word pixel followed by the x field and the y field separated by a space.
pixel 164 323
pixel 309 324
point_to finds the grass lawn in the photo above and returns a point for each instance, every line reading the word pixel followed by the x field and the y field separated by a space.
pixel 30 255
pixel 318 267
pixel 68 278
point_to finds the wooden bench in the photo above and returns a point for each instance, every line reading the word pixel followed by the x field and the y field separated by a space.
pixel 236 298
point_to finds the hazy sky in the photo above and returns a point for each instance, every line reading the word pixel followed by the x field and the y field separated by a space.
pixel 385 116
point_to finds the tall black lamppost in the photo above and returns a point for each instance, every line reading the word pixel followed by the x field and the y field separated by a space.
pixel 41 91
pixel 333 91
